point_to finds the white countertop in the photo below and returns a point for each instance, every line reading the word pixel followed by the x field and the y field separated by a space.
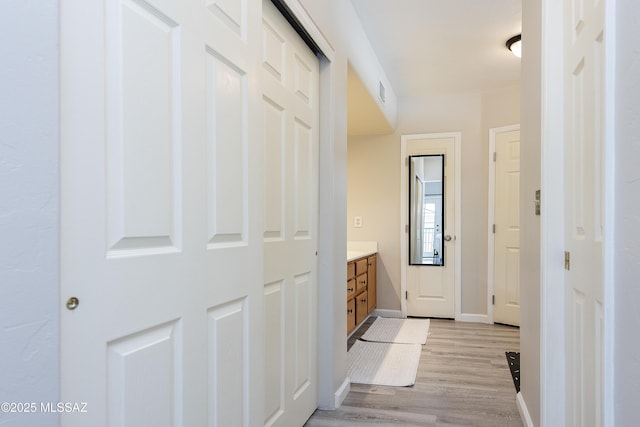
pixel 360 249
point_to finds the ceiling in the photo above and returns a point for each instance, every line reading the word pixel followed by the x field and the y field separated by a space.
pixel 443 46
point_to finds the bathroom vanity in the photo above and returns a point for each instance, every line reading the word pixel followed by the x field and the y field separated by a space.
pixel 361 282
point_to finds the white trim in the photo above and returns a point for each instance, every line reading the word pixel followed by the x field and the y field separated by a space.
pixel 552 170
pixel 342 392
pixel 524 412
pixel 457 235
pixel 474 318
pixel 491 239
pixel 608 244
pixel 397 314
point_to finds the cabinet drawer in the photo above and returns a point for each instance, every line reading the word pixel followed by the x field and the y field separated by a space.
pixel 351 315
pixel 351 270
pixel 361 266
pixel 361 282
pixel 351 287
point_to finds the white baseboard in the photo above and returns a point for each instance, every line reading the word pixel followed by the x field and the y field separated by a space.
pixel 342 392
pixel 387 313
pixel 524 412
pixel 476 318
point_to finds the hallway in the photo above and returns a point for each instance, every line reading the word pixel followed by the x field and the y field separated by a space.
pixel 463 379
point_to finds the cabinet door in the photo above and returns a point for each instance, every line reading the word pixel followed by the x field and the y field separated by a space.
pixel 351 315
pixel 351 288
pixel 371 282
pixel 361 266
pixel 361 307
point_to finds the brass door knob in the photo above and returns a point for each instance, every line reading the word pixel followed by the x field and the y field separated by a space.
pixel 72 303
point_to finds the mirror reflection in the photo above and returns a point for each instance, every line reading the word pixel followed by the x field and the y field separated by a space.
pixel 426 216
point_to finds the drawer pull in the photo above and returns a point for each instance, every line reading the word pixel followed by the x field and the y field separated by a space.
pixel 363 300
pixel 349 311
pixel 350 289
pixel 363 282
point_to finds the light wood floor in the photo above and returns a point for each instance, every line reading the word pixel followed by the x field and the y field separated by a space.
pixel 463 380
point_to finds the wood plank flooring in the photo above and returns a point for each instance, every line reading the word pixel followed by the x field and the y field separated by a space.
pixel 463 380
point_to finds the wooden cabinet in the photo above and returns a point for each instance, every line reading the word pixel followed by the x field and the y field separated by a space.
pixel 361 290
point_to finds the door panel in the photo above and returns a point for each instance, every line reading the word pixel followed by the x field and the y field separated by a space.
pixel 584 77
pixel 143 129
pixel 290 77
pixel 431 289
pixel 150 357
pixel 507 228
pixel 227 365
pixel 226 152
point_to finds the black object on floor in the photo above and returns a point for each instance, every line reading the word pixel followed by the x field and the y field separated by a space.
pixel 513 359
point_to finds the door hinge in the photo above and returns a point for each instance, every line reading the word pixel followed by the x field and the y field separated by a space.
pixel 406 294
pixel 495 156
pixel 406 228
pixel 494 229
pixel 567 260
pixel 493 299
pixel 406 162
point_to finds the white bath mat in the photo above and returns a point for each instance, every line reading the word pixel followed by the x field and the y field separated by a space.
pixel 383 363
pixel 399 331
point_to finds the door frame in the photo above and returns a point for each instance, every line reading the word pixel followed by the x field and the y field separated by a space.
pixel 404 192
pixel 553 405
pixel 491 237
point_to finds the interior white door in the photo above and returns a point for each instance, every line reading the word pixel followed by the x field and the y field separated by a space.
pixel 162 213
pixel 431 288
pixel 507 228
pixel 584 112
pixel 290 105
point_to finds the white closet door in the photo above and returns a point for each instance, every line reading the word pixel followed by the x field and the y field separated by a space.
pixel 583 145
pixel 290 103
pixel 162 213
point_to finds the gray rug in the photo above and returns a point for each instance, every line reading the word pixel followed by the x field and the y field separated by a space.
pixel 383 363
pixel 399 331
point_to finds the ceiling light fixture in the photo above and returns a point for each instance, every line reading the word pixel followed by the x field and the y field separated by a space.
pixel 514 44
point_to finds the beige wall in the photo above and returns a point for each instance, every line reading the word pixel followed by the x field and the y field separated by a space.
pixel 373 177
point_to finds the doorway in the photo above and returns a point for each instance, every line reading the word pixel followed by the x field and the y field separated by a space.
pixel 430 289
pixel 504 225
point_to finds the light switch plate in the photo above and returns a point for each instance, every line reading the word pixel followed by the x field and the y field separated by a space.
pixel 357 221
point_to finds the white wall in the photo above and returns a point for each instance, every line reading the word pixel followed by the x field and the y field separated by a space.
pixel 29 212
pixel 627 216
pixel 530 149
pixel 374 184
